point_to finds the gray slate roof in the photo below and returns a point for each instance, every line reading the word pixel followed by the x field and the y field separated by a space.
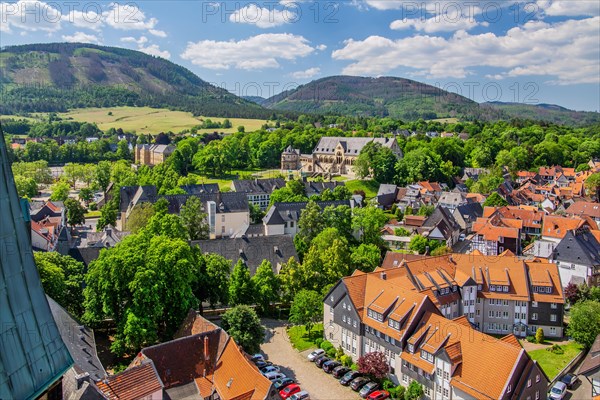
pixel 32 353
pixel 315 188
pixel 252 250
pixel 80 342
pixel 258 186
pixel 85 254
pixel 470 211
pixel 280 213
pixel 579 247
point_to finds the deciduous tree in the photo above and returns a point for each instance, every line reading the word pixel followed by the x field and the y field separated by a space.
pixel 243 325
pixel 62 279
pixel 266 285
pixel 241 290
pixel 194 219
pixel 307 308
pixel 584 324
pixel 374 364
pixel 75 212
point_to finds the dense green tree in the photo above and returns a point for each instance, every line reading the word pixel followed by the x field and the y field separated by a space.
pixel 60 191
pixel 592 184
pixel 495 200
pixel 368 222
pixel 327 260
pixel 419 244
pixel 307 308
pixel 366 257
pixel 75 212
pixel 291 193
pixel 26 187
pixel 216 270
pixel 72 173
pixel 421 164
pixel 377 161
pixel 290 279
pixel 488 182
pixel 62 279
pixel 194 219
pixel 108 215
pixel 241 289
pixel 414 391
pixel 243 325
pixel 340 218
pixel 103 173
pixel 584 324
pixel 86 195
pixel 266 285
pixel 145 283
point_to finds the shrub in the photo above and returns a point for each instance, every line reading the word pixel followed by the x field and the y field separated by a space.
pixel 387 384
pixel 93 206
pixel 539 335
pixel 318 342
pixel 331 352
pixel 326 345
pixel 531 339
pixel 346 361
pixel 339 353
pixel 354 367
pixel 556 349
pixel 397 392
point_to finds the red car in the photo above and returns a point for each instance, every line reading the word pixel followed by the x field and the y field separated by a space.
pixel 288 391
pixel 379 395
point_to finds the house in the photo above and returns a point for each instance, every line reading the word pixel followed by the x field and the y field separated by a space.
pixel 495 235
pixel 335 155
pixel 441 226
pixel 466 214
pixel 152 154
pixel 49 230
pixel 107 237
pixel 590 368
pixel 33 356
pixel 473 173
pixel 290 159
pixel 585 209
pixel 451 200
pixel 386 195
pixel 377 311
pixel 532 217
pixel 203 362
pixel 496 294
pixel 252 250
pixel 431 188
pixel 316 188
pixel 578 257
pixel 556 227
pixel 79 381
pixel 258 190
pixel 283 218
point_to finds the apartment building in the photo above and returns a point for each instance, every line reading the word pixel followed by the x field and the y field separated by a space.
pixel 376 311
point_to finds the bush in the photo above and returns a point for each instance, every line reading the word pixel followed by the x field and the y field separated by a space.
pixel 93 206
pixel 318 342
pixel 397 392
pixel 539 335
pixel 556 349
pixel 339 353
pixel 354 367
pixel 531 339
pixel 326 345
pixel 331 352
pixel 346 361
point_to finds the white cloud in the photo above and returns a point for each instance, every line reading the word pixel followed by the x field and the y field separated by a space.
pixel 569 8
pixel 263 17
pixel 29 15
pixel 255 52
pixel 321 47
pixel 307 74
pixel 88 20
pixel 127 17
pixel 454 19
pixel 567 51
pixel 81 37
pixel 130 39
pixel 386 4
pixel 158 33
pixel 154 50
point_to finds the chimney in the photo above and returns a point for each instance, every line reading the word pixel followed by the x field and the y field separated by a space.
pixel 206 352
pixel 383 275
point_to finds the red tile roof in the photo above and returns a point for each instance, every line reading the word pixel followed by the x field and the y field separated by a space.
pixel 132 384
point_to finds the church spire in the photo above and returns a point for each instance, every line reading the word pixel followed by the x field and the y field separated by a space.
pixel 33 356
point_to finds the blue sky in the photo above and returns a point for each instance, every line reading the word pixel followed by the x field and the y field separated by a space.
pixel 541 51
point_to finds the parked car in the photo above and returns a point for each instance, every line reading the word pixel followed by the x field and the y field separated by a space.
pixel 368 389
pixel 349 377
pixel 274 375
pixel 289 390
pixel 282 382
pixel 330 365
pixel 322 360
pixel 302 395
pixel 261 364
pixel 315 354
pixel 257 357
pixel 340 371
pixel 558 391
pixel 462 237
pixel 359 383
pixel 570 380
pixel 379 395
pixel 269 368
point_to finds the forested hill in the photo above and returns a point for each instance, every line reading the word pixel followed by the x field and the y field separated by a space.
pixel 410 100
pixel 385 96
pixel 60 76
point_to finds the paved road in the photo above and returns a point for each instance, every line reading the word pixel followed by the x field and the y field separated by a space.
pixel 318 384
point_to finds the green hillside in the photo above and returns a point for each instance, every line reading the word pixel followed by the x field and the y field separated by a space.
pixel 546 112
pixel 62 76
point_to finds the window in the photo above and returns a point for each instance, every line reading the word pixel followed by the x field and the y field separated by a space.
pixel 537 378
pixel 343 318
pixel 553 305
pixel 534 304
pixel 528 382
pixel 446 375
pixel 553 317
pixel 354 323
pixel 404 378
pixel 477 312
pixel 537 395
pixel 534 316
pixel 552 331
pixel 445 392
pixel 509 388
pixel 344 305
pixel 223 218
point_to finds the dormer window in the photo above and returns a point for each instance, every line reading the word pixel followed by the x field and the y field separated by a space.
pixel 505 288
pixel 411 348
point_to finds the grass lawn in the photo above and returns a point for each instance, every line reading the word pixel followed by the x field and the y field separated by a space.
pixel 300 339
pixel 370 187
pixel 93 214
pixel 552 363
pixel 224 181
pixel 152 120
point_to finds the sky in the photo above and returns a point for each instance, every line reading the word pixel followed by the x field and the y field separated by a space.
pixel 536 51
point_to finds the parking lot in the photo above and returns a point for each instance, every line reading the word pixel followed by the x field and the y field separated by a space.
pixel 316 382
